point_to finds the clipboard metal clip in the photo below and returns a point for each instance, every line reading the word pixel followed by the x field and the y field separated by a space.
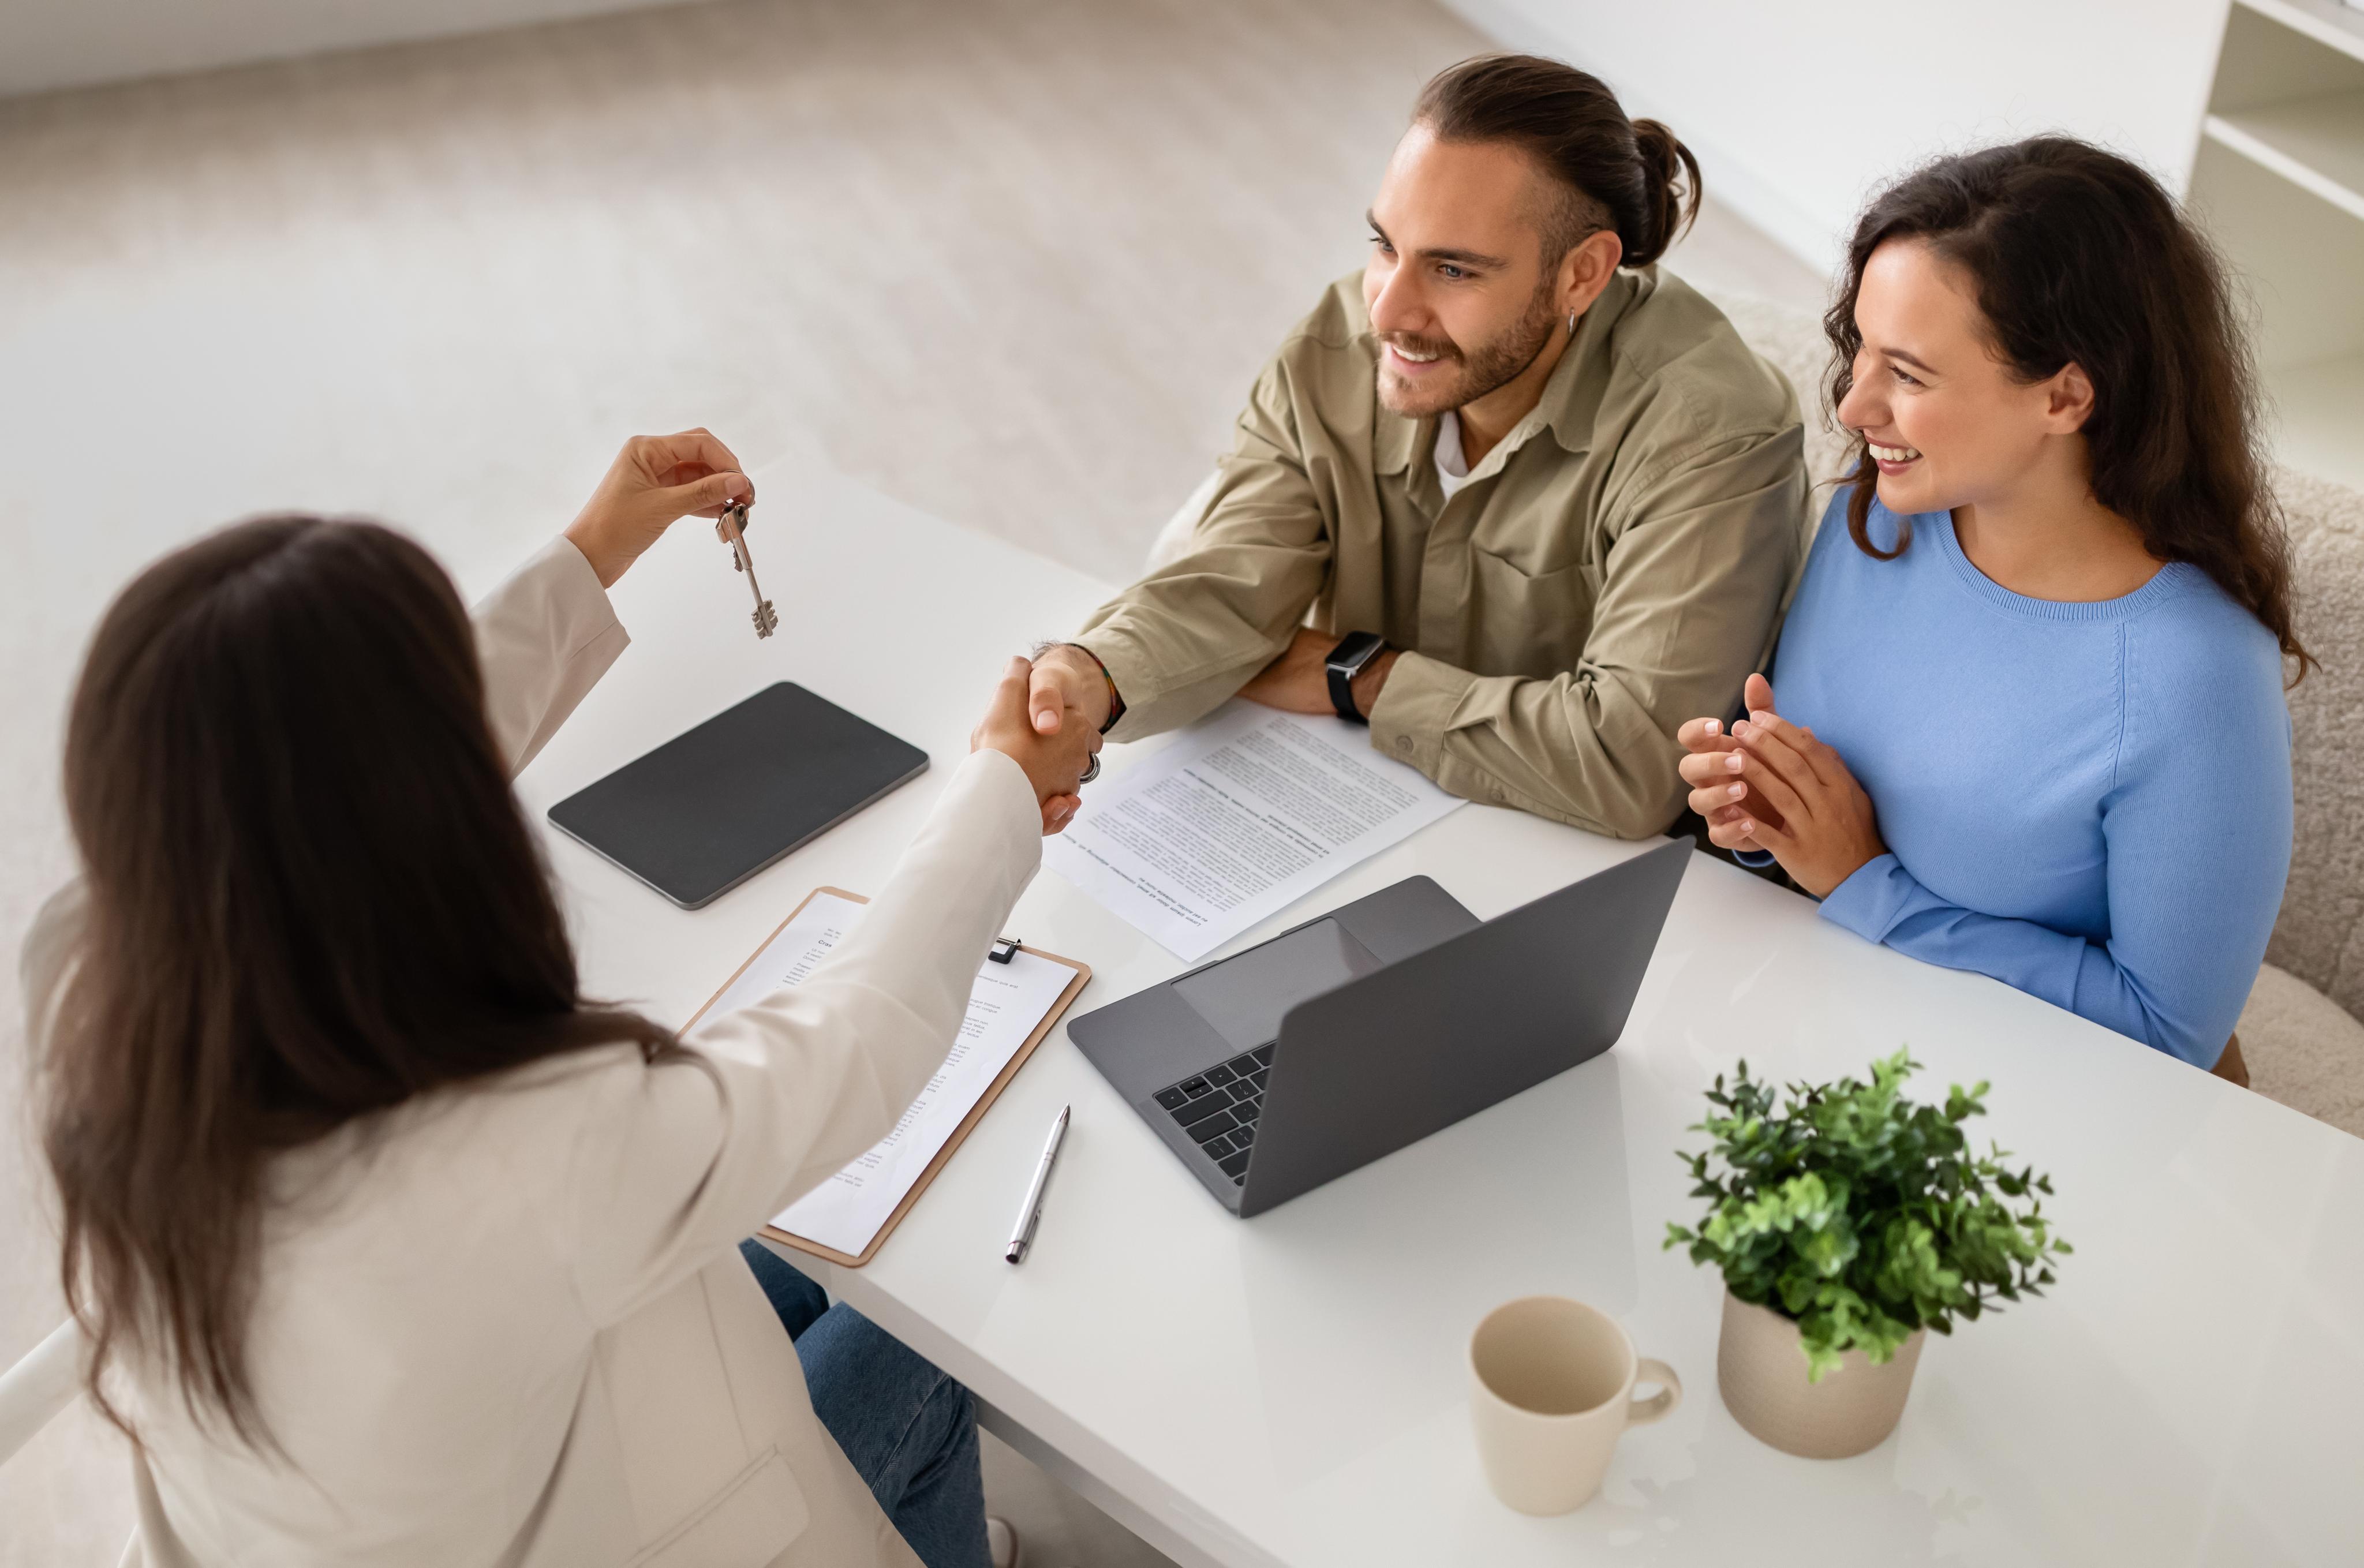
pixel 1004 949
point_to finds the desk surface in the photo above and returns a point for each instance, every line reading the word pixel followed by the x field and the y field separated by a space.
pixel 1289 1389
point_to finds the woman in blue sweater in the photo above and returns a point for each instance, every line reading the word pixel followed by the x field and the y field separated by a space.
pixel 2030 718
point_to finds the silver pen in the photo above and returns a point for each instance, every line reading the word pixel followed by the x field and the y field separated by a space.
pixel 1024 1237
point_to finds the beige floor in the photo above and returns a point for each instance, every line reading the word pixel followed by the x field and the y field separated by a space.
pixel 1013 261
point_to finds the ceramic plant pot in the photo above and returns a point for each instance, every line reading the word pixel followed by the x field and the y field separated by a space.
pixel 1761 1369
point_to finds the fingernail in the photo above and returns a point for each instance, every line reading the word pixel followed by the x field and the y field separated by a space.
pixel 1715 726
pixel 1740 730
pixel 1736 791
pixel 1761 716
pixel 1734 763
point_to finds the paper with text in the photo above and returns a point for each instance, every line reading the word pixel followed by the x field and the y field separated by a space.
pixel 1238 818
pixel 1007 1002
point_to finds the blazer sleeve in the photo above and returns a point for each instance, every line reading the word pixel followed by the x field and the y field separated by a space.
pixel 544 639
pixel 677 1161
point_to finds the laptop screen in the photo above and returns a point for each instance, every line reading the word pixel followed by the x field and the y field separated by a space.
pixel 1244 997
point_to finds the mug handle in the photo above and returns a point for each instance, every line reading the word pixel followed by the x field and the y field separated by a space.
pixel 1649 1369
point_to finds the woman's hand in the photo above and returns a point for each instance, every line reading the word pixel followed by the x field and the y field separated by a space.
pixel 1053 763
pixel 654 480
pixel 1821 826
pixel 1710 771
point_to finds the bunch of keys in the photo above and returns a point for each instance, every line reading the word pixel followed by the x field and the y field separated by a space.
pixel 732 529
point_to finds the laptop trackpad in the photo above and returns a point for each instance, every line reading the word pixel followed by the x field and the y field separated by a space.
pixel 1244 997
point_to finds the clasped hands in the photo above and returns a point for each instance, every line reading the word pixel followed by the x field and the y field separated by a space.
pixel 1772 785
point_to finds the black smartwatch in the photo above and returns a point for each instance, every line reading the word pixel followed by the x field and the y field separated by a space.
pixel 1348 659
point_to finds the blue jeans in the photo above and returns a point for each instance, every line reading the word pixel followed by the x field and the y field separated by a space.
pixel 909 1430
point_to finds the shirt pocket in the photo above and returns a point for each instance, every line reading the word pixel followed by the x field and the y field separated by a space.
pixel 1527 623
pixel 750 1521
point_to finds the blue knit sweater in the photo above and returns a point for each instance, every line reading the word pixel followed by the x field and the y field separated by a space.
pixel 2090 801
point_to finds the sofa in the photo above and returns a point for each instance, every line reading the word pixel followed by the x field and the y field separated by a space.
pixel 2302 1030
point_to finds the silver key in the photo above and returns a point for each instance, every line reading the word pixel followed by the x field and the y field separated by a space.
pixel 732 528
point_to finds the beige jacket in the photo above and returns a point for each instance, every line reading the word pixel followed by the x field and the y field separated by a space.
pixel 508 1324
pixel 1612 568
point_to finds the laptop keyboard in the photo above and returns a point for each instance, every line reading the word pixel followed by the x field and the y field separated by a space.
pixel 1219 1109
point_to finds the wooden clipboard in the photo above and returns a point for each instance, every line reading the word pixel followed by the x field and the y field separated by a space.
pixel 960 1134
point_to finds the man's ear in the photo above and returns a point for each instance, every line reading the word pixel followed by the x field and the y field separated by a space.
pixel 2068 400
pixel 1586 269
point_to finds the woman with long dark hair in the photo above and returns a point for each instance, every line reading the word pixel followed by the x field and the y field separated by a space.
pixel 2031 718
pixel 389 1246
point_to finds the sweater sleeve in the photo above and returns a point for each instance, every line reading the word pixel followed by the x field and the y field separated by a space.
pixel 2198 838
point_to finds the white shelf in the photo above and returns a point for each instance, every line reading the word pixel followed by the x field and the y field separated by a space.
pixel 2315 143
pixel 2326 21
pixel 2320 417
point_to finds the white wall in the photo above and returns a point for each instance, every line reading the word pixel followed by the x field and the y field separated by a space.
pixel 1798 109
pixel 70 43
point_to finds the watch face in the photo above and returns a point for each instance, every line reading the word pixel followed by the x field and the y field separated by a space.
pixel 1355 652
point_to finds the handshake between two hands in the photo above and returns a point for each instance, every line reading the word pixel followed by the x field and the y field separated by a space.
pixel 1054 745
pixel 657 480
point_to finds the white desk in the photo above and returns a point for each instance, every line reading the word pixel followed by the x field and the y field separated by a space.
pixel 1289 1390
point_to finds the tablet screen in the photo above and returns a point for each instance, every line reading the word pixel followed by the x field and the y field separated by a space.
pixel 709 809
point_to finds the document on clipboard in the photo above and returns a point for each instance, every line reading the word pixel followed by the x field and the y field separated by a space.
pixel 1011 1007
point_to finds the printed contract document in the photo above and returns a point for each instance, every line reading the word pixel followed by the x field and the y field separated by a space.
pixel 1236 819
pixel 1008 999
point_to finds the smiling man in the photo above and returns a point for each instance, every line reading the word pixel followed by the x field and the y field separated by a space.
pixel 1513 497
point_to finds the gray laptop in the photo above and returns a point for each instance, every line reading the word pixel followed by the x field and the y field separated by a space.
pixel 1346 1038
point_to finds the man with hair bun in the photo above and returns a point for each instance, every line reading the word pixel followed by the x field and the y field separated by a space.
pixel 1515 496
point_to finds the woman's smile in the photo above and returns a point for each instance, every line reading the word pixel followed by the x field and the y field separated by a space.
pixel 1892 460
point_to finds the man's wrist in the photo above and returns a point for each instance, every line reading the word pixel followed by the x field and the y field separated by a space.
pixel 1094 673
pixel 1373 676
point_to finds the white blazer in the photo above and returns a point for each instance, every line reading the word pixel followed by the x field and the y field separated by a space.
pixel 508 1324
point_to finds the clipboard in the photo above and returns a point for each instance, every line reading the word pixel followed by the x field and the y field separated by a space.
pixel 960 1134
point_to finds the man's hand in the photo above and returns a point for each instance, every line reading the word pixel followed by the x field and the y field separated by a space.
pixel 654 480
pixel 1299 681
pixel 1825 829
pixel 1053 761
pixel 1066 680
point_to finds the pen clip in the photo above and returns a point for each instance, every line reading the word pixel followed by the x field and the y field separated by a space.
pixel 1004 950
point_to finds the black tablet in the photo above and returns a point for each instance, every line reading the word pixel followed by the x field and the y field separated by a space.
pixel 709 809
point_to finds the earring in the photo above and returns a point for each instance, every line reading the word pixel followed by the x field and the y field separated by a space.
pixel 1571 323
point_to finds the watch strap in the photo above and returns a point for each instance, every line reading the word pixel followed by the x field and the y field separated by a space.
pixel 1349 658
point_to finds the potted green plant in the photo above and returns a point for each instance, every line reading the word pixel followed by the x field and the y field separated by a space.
pixel 1848 1222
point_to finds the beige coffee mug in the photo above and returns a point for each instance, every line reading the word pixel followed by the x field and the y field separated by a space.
pixel 1551 1390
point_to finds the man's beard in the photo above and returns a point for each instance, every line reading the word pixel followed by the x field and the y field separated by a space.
pixel 1489 367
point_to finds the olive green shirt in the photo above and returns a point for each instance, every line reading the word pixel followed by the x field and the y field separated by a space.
pixel 1612 569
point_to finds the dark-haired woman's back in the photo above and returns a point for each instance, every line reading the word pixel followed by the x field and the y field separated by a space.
pixel 391 1248
pixel 506 1320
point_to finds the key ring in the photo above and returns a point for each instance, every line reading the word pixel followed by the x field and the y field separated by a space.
pixel 1091 770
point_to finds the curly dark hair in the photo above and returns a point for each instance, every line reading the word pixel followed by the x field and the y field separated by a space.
pixel 2080 258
